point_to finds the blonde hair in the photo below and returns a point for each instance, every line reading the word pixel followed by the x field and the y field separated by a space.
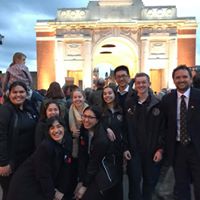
pixel 17 55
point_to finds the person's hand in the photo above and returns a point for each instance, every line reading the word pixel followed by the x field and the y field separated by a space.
pixel 58 195
pixel 76 133
pixel 79 194
pixel 127 155
pixel 5 170
pixel 158 155
pixel 111 135
pixel 79 185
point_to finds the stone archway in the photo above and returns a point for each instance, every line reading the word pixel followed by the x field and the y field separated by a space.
pixel 109 33
pixel 111 52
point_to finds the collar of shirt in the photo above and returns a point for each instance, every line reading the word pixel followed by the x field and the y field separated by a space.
pixel 124 91
pixel 146 101
pixel 186 94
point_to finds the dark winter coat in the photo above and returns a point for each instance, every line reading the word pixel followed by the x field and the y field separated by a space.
pixel 154 126
pixel 91 163
pixel 17 128
pixel 41 132
pixel 37 177
pixel 115 121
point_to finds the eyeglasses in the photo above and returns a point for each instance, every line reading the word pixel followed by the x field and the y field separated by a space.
pixel 123 76
pixel 88 117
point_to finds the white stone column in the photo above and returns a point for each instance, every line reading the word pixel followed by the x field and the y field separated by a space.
pixel 172 61
pixel 87 67
pixel 59 58
pixel 144 67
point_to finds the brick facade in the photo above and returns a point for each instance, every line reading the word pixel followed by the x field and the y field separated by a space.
pixel 45 61
pixel 187 47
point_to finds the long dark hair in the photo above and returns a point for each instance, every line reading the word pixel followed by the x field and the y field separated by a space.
pixel 116 103
pixel 55 91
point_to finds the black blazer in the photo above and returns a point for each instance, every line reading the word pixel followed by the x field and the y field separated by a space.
pixel 36 178
pixel 169 106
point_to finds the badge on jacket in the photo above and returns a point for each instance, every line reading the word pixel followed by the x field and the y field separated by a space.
pixel 119 117
pixel 156 111
pixel 130 111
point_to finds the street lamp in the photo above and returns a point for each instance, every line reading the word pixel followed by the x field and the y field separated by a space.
pixel 1 39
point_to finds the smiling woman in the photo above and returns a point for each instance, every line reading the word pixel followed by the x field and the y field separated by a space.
pixel 18 95
pixel 56 131
pixel 17 126
pixel 99 166
pixel 38 177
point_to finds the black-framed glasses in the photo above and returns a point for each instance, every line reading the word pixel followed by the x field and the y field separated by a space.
pixel 123 76
pixel 88 117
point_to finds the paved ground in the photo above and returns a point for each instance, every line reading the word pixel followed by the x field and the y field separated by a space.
pixel 163 190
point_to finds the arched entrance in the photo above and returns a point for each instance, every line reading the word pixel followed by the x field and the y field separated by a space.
pixel 111 52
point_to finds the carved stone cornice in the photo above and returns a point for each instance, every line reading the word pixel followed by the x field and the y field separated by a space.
pixel 73 32
pixel 159 12
pixel 158 30
pixel 99 34
pixel 71 14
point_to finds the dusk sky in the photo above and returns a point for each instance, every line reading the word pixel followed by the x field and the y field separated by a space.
pixel 18 20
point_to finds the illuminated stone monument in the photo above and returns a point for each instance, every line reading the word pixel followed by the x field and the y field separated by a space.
pixel 109 33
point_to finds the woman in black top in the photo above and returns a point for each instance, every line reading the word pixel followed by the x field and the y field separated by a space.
pixel 37 177
pixel 52 109
pixel 17 126
pixel 112 119
pixel 99 177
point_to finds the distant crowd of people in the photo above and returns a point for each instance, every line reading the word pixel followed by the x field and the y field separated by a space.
pixel 66 143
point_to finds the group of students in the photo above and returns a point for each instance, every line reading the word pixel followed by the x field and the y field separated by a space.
pixel 45 172
pixel 80 152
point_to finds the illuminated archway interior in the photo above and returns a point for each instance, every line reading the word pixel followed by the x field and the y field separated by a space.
pixel 112 52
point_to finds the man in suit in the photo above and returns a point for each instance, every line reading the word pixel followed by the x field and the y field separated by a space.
pixel 182 133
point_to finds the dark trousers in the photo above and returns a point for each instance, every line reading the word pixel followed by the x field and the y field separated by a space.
pixel 93 193
pixel 187 170
pixel 4 182
pixel 142 174
pixel 67 180
pixel 73 179
pixel 115 193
